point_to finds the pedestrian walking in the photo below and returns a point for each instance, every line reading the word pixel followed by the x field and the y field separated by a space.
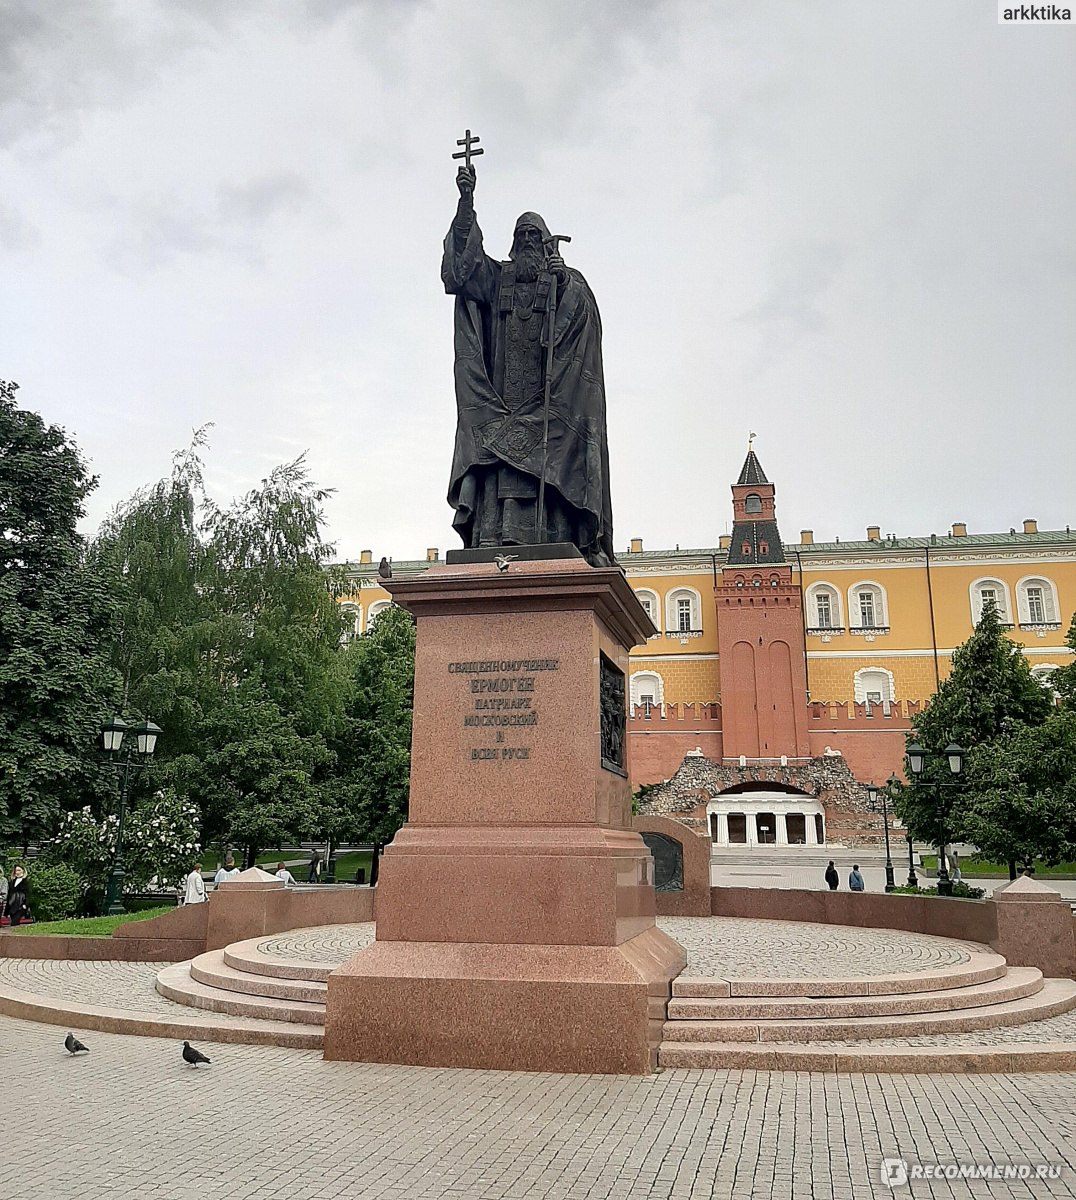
pixel 18 896
pixel 855 880
pixel 833 880
pixel 194 886
pixel 314 873
pixel 228 871
pixel 954 869
pixel 3 893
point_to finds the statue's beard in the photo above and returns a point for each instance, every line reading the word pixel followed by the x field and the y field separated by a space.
pixel 528 262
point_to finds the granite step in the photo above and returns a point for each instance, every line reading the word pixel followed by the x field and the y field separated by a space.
pixel 1054 996
pixel 981 967
pixel 176 983
pixel 1017 983
pixel 246 957
pixel 213 970
pixel 954 1058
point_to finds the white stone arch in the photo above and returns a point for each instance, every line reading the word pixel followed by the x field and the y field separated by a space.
pixel 873 681
pixel 645 684
pixel 375 610
pixel 1050 606
pixel 836 607
pixel 987 584
pixel 880 605
pixel 651 601
pixel 672 609
pixel 747 808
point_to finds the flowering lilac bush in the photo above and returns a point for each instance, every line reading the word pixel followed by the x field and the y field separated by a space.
pixel 160 843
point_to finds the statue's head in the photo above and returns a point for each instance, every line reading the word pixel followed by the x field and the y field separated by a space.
pixel 528 246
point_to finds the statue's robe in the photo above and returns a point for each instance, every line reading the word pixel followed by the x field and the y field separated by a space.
pixel 500 332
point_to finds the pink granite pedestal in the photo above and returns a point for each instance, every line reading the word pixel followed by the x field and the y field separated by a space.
pixel 515 909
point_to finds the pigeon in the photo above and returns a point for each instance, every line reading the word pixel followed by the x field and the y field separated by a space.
pixel 192 1056
pixel 503 561
pixel 384 569
pixel 73 1046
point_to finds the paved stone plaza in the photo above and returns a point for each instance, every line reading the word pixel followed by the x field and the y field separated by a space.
pixel 131 1120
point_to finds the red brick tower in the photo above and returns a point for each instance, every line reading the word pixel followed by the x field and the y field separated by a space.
pixel 760 631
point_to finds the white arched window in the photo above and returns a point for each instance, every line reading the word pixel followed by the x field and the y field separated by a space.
pixel 375 610
pixel 867 608
pixel 683 611
pixel 647 690
pixel 874 685
pixel 984 590
pixel 649 600
pixel 1044 674
pixel 824 607
pixel 1036 600
pixel 353 616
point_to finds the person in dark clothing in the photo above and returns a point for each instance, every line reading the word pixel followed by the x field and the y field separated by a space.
pixel 832 878
pixel 18 896
pixel 314 873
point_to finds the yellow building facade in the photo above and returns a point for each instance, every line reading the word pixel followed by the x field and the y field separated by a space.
pixel 882 616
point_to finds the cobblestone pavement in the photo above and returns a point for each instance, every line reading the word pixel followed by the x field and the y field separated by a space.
pixel 738 947
pixel 324 944
pixel 131 1120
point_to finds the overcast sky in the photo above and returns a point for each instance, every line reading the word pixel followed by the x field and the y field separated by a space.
pixel 845 226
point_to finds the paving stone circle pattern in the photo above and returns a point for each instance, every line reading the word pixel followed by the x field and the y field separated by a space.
pixel 737 947
pixel 326 944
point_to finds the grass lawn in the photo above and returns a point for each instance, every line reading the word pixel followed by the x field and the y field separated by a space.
pixel 346 864
pixel 983 869
pixel 89 926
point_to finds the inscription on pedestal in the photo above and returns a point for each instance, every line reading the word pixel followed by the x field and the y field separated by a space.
pixel 501 700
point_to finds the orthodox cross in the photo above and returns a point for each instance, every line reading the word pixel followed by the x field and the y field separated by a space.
pixel 468 152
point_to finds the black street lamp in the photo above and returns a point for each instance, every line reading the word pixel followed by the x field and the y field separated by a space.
pixel 893 783
pixel 873 793
pixel 917 760
pixel 143 740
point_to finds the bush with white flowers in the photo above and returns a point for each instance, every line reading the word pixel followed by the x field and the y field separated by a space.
pixel 160 843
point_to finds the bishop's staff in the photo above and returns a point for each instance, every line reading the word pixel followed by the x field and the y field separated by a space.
pixel 552 246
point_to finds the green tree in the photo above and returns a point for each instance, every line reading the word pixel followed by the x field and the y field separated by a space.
pixel 230 641
pixel 989 692
pixel 55 610
pixel 368 791
pixel 1064 678
pixel 1023 807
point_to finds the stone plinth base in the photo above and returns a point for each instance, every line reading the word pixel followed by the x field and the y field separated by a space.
pixel 515 909
pixel 505 1007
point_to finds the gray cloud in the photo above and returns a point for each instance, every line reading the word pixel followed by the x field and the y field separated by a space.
pixel 845 226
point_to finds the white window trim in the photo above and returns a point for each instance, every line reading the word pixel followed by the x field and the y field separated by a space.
pixel 835 602
pixel 1042 673
pixel 353 612
pixel 881 615
pixel 375 610
pixel 1001 587
pixel 642 679
pixel 672 619
pixel 655 603
pixel 860 687
pixel 1049 595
